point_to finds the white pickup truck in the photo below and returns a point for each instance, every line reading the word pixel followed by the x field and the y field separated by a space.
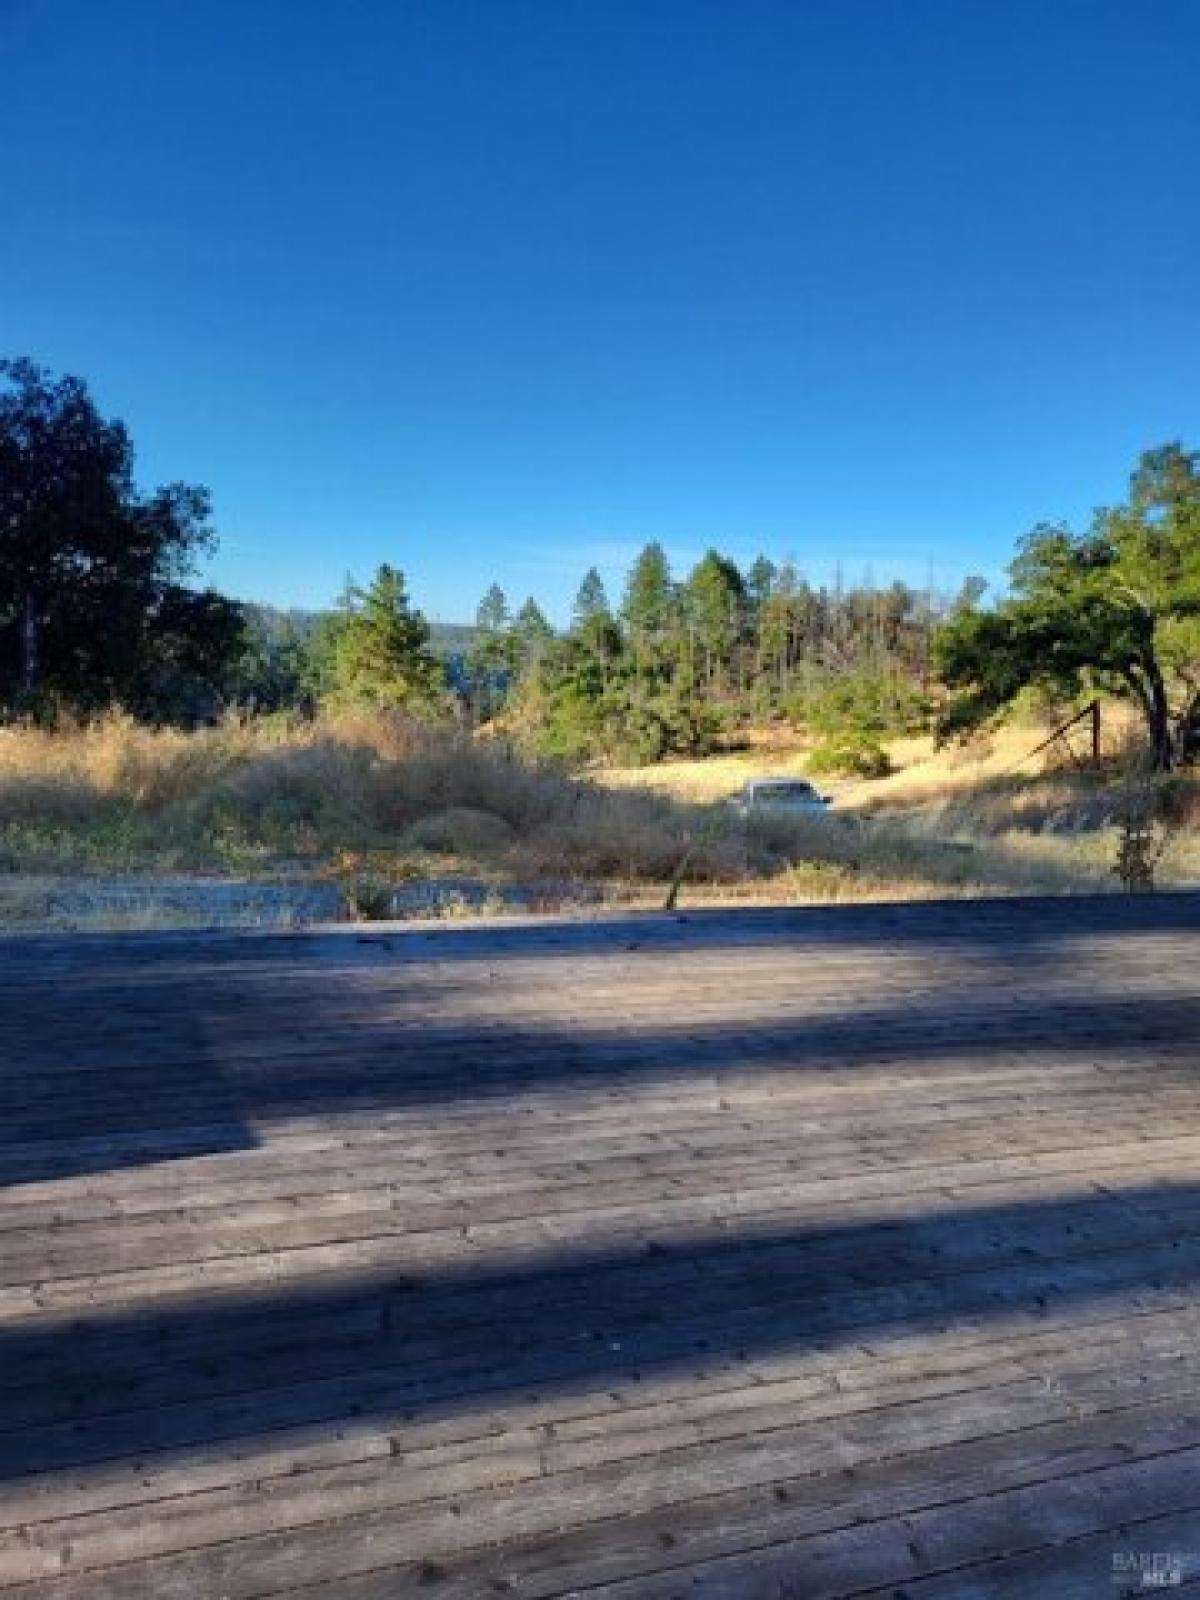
pixel 777 794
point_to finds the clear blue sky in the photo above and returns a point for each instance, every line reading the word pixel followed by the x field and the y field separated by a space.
pixel 498 288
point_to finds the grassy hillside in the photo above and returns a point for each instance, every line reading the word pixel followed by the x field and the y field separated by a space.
pixel 372 804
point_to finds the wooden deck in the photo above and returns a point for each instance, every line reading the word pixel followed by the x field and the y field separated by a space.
pixel 785 1254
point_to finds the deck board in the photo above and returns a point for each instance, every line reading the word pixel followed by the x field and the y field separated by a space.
pixel 810 1253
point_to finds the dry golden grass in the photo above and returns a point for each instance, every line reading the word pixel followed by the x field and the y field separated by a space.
pixel 401 800
pixel 1040 823
pixel 921 773
pixel 112 796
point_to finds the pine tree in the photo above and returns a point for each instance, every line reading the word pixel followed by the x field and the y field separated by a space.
pixel 492 614
pixel 531 623
pixel 532 633
pixel 591 602
pixel 649 597
pixel 382 653
pixel 760 582
pixel 714 597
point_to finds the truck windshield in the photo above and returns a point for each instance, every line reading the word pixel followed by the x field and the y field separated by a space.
pixel 783 791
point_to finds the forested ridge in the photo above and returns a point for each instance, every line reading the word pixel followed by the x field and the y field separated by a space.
pixel 100 607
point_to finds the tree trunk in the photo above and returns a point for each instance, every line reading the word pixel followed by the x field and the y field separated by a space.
pixel 1158 720
pixel 30 643
pixel 1187 737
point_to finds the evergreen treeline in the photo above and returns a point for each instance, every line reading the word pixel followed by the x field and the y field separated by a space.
pixel 671 668
pixel 679 661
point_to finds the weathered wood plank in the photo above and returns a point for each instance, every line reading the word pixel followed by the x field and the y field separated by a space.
pixel 1092 1378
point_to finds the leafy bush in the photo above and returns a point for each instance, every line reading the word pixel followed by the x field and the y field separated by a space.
pixel 693 724
pixel 865 704
pixel 850 756
pixel 633 734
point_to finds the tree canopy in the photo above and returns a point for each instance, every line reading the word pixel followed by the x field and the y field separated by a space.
pixel 649 597
pixel 1115 608
pixel 381 650
pixel 681 660
pixel 493 614
pixel 94 606
pixel 591 601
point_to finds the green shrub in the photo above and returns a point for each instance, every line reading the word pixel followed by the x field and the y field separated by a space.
pixel 633 736
pixel 850 756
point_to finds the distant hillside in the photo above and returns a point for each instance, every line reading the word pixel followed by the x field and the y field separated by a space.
pixel 452 638
pixel 273 622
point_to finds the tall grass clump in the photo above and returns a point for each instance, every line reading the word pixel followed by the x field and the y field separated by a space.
pixel 272 793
